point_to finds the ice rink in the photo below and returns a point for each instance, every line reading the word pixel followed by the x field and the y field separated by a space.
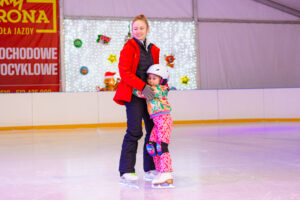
pixel 257 161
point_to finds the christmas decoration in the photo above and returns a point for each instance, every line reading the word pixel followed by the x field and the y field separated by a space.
pixel 110 83
pixel 170 59
pixel 184 80
pixel 103 39
pixel 84 70
pixel 171 36
pixel 112 58
pixel 128 36
pixel 77 43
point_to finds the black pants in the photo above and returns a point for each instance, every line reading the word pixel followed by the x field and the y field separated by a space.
pixel 136 111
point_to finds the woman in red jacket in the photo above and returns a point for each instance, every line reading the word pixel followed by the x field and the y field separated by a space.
pixel 137 55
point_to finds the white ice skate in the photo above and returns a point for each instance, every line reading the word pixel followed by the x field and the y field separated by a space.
pixel 163 180
pixel 149 176
pixel 130 179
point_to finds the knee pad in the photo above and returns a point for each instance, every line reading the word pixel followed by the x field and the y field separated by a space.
pixel 162 148
pixel 150 147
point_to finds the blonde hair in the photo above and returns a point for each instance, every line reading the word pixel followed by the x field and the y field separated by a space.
pixel 142 18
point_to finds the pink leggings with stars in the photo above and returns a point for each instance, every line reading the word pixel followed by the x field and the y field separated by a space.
pixel 161 133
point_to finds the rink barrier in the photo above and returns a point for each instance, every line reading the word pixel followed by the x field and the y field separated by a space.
pixel 76 110
pixel 123 124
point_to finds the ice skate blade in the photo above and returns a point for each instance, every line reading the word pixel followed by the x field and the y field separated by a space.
pixel 148 179
pixel 163 186
pixel 133 184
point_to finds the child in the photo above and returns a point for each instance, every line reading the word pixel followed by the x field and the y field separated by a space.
pixel 159 110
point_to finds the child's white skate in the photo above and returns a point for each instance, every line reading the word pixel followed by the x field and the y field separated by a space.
pixel 130 179
pixel 163 180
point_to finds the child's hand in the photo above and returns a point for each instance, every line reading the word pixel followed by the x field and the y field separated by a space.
pixel 165 88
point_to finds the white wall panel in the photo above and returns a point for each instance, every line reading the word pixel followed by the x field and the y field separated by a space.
pixel 240 104
pixel 282 103
pixel 108 110
pixel 16 110
pixel 129 8
pixel 91 108
pixel 237 9
pixel 64 108
pixel 193 104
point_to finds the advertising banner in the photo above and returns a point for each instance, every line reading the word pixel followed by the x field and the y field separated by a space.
pixel 29 46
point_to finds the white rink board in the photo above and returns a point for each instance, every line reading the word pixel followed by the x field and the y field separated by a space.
pixel 108 110
pixel 241 104
pixel 16 110
pixel 281 103
pixel 194 105
pixel 64 108
pixel 92 108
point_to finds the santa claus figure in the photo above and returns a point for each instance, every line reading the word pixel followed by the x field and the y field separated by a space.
pixel 109 81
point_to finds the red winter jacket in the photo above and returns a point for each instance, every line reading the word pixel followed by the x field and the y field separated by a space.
pixel 128 62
